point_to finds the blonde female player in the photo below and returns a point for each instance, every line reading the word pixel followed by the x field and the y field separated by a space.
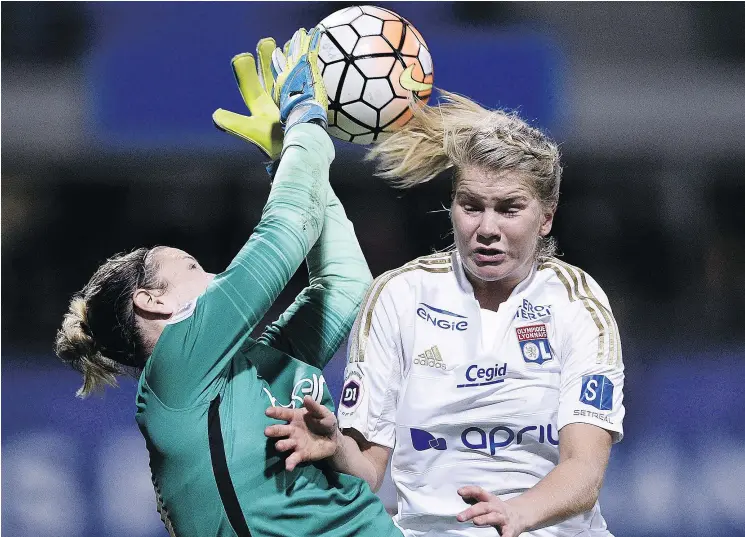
pixel 491 374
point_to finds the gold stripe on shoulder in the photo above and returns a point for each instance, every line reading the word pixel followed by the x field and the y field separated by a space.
pixel 573 297
pixel 615 338
pixel 579 289
pixel 436 258
pixel 356 327
pixel 373 294
pixel 614 343
pixel 363 331
pixel 440 258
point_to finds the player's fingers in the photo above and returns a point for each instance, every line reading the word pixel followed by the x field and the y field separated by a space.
pixel 286 444
pixel 315 409
pixel 505 530
pixel 277 431
pixel 278 63
pixel 264 49
pixel 280 413
pixel 292 461
pixel 479 509
pixel 490 519
pixel 471 491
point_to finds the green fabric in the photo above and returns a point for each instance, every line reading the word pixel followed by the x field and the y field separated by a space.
pixel 210 355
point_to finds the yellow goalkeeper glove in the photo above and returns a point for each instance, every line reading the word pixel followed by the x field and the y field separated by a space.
pixel 262 128
pixel 298 88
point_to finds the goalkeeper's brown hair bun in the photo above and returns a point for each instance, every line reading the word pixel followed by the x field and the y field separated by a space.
pixel 99 335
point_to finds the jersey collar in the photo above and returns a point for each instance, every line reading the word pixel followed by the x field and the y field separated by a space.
pixel 186 311
pixel 465 285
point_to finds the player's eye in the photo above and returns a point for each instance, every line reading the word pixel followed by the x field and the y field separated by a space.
pixel 193 266
pixel 511 209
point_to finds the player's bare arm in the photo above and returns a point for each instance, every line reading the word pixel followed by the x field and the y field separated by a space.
pixel 312 434
pixel 569 489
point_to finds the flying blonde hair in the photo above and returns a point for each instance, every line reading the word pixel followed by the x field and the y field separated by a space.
pixel 459 133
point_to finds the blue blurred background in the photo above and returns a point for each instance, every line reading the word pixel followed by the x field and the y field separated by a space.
pixel 107 144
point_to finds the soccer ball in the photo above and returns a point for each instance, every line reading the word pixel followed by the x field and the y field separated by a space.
pixel 372 61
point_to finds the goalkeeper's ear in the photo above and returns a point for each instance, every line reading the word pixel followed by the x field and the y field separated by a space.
pixel 153 304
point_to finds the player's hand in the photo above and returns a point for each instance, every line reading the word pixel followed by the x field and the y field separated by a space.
pixel 489 510
pixel 298 88
pixel 262 128
pixel 311 432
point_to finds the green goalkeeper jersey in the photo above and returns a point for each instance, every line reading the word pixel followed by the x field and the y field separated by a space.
pixel 203 392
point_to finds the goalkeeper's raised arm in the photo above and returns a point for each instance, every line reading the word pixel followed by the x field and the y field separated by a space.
pixel 167 285
pixel 205 384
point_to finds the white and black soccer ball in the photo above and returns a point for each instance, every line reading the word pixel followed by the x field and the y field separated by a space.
pixel 372 61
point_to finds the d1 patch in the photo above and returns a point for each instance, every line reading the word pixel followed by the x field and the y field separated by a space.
pixel 351 394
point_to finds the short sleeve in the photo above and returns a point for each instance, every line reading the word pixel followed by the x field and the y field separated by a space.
pixel 372 378
pixel 592 373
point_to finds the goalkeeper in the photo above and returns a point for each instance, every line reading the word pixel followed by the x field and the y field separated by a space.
pixel 205 384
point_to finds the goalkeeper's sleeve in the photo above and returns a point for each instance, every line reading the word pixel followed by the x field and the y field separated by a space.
pixel 320 318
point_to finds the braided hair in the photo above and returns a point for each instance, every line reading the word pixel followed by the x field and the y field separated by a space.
pixel 99 335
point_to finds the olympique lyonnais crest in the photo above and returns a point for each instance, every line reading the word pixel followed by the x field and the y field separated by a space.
pixel 534 344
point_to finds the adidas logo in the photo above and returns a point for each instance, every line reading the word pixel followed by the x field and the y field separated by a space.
pixel 431 358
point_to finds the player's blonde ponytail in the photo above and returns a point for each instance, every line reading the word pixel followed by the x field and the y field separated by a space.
pixel 420 150
pixel 75 345
pixel 458 133
pixel 99 335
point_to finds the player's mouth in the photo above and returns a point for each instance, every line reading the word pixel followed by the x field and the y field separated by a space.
pixel 488 256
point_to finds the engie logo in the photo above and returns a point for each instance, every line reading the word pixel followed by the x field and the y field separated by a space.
pixel 597 391
pixel 439 318
pixel 422 441
pixel 502 436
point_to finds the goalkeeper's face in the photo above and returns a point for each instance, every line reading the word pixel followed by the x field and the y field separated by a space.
pixel 184 277
pixel 497 221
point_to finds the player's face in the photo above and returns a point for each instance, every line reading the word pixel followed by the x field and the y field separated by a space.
pixel 185 277
pixel 496 222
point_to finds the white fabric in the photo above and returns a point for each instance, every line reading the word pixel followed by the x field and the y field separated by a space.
pixel 484 409
pixel 489 319
pixel 186 311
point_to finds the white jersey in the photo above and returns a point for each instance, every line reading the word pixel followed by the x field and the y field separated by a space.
pixel 466 396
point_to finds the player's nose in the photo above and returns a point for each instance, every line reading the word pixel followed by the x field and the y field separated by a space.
pixel 489 225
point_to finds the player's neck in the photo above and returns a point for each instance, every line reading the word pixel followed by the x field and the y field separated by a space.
pixel 488 296
pixel 150 331
pixel 491 294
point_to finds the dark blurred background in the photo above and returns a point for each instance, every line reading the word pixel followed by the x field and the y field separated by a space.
pixel 107 144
